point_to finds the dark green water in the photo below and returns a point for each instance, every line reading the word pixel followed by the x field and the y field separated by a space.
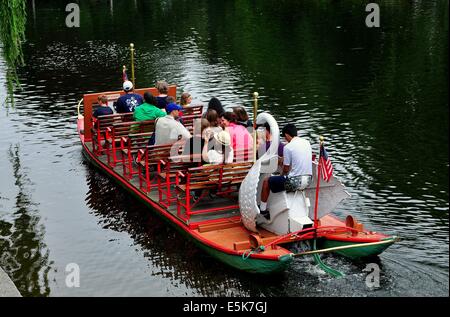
pixel 379 96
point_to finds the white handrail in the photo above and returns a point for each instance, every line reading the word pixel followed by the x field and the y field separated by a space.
pixel 80 116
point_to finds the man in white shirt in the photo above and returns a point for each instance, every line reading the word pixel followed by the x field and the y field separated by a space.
pixel 168 129
pixel 297 168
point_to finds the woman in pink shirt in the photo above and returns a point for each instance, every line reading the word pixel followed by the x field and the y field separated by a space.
pixel 241 139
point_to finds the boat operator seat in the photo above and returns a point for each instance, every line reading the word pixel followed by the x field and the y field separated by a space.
pixel 289 212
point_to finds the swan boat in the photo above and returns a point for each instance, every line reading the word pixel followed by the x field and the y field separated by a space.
pixel 225 224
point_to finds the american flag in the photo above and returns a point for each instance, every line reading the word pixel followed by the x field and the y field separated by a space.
pixel 124 74
pixel 325 164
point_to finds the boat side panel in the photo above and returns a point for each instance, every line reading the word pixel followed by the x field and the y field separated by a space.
pixel 356 253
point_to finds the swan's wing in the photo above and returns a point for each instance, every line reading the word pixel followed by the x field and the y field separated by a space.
pixel 247 197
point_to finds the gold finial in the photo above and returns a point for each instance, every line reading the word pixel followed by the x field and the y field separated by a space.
pixel 255 95
pixel 321 138
pixel 132 45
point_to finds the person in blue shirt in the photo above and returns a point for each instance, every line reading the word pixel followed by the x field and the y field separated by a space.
pixel 103 109
pixel 129 101
pixel 163 90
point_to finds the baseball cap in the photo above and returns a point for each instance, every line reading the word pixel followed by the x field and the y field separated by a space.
pixel 127 85
pixel 172 107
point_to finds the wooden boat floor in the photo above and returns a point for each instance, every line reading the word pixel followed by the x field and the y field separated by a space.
pixel 205 203
pixel 228 238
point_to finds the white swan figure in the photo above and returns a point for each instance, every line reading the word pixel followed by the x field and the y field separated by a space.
pixel 267 164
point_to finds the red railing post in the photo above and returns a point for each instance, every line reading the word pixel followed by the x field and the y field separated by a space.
pixel 122 145
pixel 147 173
pixel 130 159
pixel 177 183
pixel 139 159
pixel 168 183
pixel 160 197
pixel 188 196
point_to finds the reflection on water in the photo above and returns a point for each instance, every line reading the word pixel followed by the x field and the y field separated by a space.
pixel 175 257
pixel 380 97
pixel 23 255
pixel 171 255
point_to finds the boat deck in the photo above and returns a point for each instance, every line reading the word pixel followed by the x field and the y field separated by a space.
pixel 226 229
pixel 223 228
pixel 219 202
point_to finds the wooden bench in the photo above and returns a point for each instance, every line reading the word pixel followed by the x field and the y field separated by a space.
pixel 194 110
pixel 188 121
pixel 241 156
pixel 224 179
pixel 100 125
pixel 148 160
pixel 115 133
pixel 130 146
pixel 167 172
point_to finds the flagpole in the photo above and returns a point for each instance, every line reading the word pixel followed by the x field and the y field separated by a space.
pixel 319 174
pixel 132 64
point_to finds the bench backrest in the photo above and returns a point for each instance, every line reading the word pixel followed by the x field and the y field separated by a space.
pixel 236 172
pixel 243 155
pixel 123 129
pixel 194 110
pixel 156 153
pixel 219 174
pixel 103 122
pixel 188 121
pixel 137 141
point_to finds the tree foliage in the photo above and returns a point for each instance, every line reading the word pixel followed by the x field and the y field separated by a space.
pixel 12 34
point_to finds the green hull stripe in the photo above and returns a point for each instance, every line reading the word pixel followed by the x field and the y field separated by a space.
pixel 363 252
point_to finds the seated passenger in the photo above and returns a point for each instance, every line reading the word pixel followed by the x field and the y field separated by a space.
pixel 185 100
pixel 103 109
pixel 242 117
pixel 168 129
pixel 195 144
pixel 264 145
pixel 297 169
pixel 215 104
pixel 221 152
pixel 241 139
pixel 169 100
pixel 129 101
pixel 213 119
pixel 163 90
pixel 148 110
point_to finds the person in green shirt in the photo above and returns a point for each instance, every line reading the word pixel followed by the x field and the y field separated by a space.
pixel 148 110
